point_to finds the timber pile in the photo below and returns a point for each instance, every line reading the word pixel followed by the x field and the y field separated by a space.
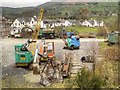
pixel 55 71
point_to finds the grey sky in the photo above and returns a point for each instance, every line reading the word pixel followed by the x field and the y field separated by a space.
pixel 26 3
pixel 22 3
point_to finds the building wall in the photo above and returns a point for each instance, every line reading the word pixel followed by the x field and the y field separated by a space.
pixel 86 23
pixel 32 23
pixel 17 24
pixel 102 24
pixel 96 24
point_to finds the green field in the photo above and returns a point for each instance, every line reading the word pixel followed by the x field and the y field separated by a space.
pixel 82 29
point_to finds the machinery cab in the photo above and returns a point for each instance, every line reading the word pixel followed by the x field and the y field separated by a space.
pixel 46 51
pixel 18 48
pixel 72 41
pixel 113 37
pixel 22 58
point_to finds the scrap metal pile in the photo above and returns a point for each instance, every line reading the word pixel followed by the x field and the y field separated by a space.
pixel 54 71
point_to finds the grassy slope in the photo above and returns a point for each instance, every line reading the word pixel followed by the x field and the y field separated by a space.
pixel 82 29
pixel 54 8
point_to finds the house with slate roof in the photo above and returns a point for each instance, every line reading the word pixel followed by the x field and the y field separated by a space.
pixel 31 21
pixel 22 22
pixel 93 23
pixel 54 23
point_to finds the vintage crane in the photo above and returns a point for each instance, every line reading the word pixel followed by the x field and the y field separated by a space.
pixel 37 26
pixel 25 53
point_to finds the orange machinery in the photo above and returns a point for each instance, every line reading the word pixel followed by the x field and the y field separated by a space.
pixel 46 51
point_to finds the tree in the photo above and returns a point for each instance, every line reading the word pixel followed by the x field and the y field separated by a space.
pixel 82 14
pixel 66 15
pixel 112 24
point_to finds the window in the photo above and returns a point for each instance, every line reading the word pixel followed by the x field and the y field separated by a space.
pixel 32 22
pixel 15 23
pixel 19 24
pixel 23 23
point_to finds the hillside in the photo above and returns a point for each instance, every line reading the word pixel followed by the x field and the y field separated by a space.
pixel 61 9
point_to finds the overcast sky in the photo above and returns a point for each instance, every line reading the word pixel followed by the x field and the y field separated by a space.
pixel 22 3
pixel 27 3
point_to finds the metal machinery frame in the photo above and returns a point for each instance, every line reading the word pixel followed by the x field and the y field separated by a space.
pixel 37 26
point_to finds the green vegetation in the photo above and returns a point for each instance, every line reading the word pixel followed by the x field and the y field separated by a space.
pixel 64 10
pixel 82 29
pixel 106 71
pixel 86 79
pixel 103 45
pixel 105 75
pixel 100 37
pixel 108 67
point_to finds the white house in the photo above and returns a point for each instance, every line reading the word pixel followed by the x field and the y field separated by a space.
pixel 18 23
pixel 93 23
pixel 58 23
pixel 54 23
pixel 31 21
pixel 75 22
pixel 22 22
pixel 66 23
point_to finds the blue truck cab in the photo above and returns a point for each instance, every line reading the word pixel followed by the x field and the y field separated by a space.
pixel 73 42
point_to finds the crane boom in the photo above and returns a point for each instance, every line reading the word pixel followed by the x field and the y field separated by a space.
pixel 32 47
pixel 37 26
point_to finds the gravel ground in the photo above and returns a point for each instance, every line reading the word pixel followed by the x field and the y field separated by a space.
pixel 20 77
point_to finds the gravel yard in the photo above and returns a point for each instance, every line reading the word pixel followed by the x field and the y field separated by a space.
pixel 20 77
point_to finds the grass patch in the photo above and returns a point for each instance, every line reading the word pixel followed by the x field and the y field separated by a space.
pixel 108 67
pixel 103 45
pixel 82 29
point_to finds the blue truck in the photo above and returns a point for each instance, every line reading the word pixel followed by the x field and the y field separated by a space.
pixel 71 41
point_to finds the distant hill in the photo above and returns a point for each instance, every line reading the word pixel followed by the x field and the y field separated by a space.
pixel 60 9
pixel 14 12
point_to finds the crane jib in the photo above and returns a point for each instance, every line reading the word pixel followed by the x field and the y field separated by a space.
pixel 37 26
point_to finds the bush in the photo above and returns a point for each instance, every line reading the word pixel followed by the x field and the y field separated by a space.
pixel 83 79
pixel 112 54
pixel 101 31
pixel 70 83
pixel 86 79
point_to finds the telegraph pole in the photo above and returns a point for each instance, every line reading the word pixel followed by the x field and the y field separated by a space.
pixel 119 43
